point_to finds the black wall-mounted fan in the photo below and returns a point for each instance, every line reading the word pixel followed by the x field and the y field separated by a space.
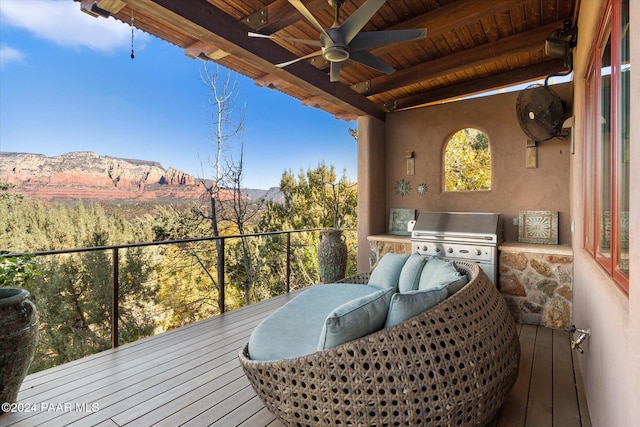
pixel 345 41
pixel 540 112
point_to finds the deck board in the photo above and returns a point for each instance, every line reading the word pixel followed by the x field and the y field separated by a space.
pixel 582 398
pixel 191 376
pixel 540 409
pixel 514 410
pixel 566 412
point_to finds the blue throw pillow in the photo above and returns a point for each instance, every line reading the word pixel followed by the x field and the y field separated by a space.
pixel 410 273
pixel 355 319
pixel 387 272
pixel 438 274
pixel 406 305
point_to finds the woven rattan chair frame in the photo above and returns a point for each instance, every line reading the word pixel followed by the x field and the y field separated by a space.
pixel 452 365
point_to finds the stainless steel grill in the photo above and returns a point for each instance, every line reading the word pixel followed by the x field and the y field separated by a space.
pixel 473 236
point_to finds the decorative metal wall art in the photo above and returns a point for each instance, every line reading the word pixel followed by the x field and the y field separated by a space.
pixel 538 227
pixel 422 189
pixel 399 220
pixel 403 187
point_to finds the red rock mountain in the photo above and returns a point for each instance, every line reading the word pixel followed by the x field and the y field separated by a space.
pixel 87 175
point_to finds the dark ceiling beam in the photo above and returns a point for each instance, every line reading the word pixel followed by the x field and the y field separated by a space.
pixel 475 57
pixel 438 21
pixel 472 87
pixel 280 14
pixel 462 12
pixel 207 23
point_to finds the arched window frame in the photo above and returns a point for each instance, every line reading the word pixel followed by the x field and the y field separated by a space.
pixel 444 161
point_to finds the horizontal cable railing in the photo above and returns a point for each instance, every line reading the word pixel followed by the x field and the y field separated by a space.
pixel 220 248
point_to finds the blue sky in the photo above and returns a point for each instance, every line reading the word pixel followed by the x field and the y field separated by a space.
pixel 67 83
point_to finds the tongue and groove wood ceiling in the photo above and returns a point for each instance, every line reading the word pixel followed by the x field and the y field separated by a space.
pixel 471 46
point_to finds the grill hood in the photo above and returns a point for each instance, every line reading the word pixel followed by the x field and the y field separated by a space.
pixel 483 226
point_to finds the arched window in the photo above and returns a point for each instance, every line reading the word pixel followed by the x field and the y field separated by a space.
pixel 467 161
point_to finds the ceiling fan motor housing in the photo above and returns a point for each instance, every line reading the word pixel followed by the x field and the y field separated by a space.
pixel 335 53
pixel 334 48
pixel 344 41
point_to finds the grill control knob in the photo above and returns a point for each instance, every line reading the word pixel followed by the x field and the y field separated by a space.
pixel 425 248
pixel 478 252
pixel 437 249
pixel 450 250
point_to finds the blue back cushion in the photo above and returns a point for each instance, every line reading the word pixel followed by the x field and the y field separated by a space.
pixel 356 318
pixel 438 273
pixel 410 274
pixel 404 306
pixel 387 272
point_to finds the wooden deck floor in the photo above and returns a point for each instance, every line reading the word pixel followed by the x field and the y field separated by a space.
pixel 191 376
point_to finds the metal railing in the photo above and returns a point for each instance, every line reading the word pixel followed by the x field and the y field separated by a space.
pixel 115 253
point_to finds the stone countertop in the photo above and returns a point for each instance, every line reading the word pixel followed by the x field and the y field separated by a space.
pixel 518 247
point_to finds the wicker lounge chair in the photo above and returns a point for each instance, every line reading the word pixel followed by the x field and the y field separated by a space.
pixel 452 365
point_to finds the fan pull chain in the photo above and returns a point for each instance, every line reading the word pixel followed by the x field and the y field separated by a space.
pixel 132 55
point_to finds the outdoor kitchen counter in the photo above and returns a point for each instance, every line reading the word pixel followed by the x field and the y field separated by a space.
pixel 536 248
pixel 385 243
pixel 391 238
pixel 537 282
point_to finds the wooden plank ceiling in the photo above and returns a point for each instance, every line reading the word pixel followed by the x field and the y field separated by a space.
pixel 471 46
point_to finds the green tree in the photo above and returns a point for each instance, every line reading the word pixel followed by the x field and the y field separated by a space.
pixel 18 271
pixel 467 161
pixel 74 303
pixel 73 292
pixel 315 199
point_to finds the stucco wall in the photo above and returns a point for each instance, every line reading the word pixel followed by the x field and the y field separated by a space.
pixel 610 364
pixel 370 198
pixel 514 187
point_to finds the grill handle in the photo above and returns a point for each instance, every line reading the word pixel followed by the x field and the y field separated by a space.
pixel 451 236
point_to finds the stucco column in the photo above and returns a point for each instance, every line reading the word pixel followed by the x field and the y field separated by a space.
pixel 371 184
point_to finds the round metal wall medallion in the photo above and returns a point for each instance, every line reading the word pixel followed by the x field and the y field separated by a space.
pixel 403 187
pixel 422 189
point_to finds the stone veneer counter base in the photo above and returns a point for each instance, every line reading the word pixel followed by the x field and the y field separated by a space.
pixel 535 279
pixel 537 282
pixel 382 244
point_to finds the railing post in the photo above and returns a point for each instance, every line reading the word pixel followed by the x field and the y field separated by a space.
pixel 221 275
pixel 114 299
pixel 288 287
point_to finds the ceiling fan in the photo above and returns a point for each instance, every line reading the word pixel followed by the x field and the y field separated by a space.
pixel 345 41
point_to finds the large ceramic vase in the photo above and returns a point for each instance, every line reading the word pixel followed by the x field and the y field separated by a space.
pixel 18 338
pixel 332 255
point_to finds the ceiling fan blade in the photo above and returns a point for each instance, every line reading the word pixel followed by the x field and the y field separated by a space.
pixel 293 61
pixel 370 60
pixel 371 39
pixel 288 39
pixel 352 26
pixel 334 71
pixel 307 14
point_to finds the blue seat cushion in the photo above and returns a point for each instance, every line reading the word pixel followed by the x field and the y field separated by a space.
pixel 294 329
